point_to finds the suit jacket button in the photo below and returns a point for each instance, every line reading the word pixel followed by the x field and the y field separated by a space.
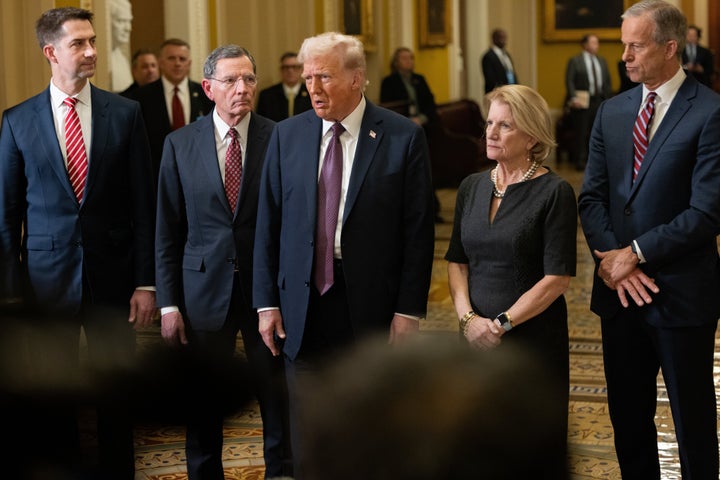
pixel 628 211
pixel 78 243
pixel 307 284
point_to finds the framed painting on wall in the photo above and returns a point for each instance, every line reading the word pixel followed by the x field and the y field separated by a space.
pixel 356 18
pixel 569 20
pixel 435 22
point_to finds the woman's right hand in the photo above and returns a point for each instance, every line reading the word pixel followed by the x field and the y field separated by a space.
pixel 483 333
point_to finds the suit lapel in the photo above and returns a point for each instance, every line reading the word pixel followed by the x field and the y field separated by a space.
pixel 257 136
pixel 370 137
pixel 207 154
pixel 50 143
pixel 677 110
pixel 310 175
pixel 626 121
pixel 100 126
pixel 196 104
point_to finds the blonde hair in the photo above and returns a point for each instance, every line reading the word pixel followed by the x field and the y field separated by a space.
pixel 531 115
pixel 350 49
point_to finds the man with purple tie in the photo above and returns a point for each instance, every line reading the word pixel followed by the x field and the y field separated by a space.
pixel 330 271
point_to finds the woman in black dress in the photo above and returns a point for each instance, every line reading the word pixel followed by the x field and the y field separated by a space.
pixel 513 246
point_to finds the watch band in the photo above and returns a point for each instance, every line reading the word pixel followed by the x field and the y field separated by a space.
pixel 505 321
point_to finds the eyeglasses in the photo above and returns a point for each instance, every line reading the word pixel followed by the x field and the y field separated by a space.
pixel 248 80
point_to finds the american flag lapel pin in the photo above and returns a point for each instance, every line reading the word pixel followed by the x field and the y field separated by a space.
pixel 373 134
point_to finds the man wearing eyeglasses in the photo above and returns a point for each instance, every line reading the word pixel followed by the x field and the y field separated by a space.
pixel 287 98
pixel 207 204
pixel 173 100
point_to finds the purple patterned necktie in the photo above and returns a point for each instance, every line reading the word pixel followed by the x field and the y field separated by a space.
pixel 327 210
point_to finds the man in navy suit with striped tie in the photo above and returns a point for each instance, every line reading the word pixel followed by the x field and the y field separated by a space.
pixel 77 213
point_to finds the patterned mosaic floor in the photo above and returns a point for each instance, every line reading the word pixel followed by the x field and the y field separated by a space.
pixel 160 453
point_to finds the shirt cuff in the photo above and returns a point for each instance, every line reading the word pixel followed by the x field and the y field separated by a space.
pixel 170 309
pixel 266 309
pixel 411 317
pixel 149 289
pixel 638 252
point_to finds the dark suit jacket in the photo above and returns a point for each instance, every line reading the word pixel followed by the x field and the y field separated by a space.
pixel 129 90
pixel 47 241
pixel 494 70
pixel 576 77
pixel 387 227
pixel 157 118
pixel 393 89
pixel 196 230
pixel 672 209
pixel 272 102
pixel 704 57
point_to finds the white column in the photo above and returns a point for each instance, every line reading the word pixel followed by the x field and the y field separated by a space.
pixel 188 20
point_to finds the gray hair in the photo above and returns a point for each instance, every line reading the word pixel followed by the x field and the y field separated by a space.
pixel 225 51
pixel 670 23
pixel 350 48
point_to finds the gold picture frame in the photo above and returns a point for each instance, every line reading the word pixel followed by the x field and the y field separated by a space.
pixel 435 22
pixel 570 20
pixel 356 18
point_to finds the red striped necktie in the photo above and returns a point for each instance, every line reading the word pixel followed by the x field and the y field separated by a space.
pixel 77 162
pixel 641 132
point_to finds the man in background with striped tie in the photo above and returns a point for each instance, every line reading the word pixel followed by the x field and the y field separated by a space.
pixel 76 244
pixel 650 209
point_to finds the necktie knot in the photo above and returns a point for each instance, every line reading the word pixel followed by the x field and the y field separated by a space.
pixel 337 129
pixel 70 102
pixel 651 100
pixel 234 135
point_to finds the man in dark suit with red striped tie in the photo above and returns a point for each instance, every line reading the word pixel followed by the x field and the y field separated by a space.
pixel 77 213
pixel 650 209
pixel 173 100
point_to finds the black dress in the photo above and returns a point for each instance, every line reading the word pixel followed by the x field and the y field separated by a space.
pixel 532 235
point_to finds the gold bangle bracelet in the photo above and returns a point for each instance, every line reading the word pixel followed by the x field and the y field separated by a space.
pixel 465 319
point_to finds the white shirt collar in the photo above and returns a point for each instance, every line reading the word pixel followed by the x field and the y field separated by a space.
pixel 352 122
pixel 168 86
pixel 222 128
pixel 667 91
pixel 57 96
pixel 291 91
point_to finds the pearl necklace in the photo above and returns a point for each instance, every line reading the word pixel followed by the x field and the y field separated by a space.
pixel 527 176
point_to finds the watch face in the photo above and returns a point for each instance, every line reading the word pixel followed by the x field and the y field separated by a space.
pixel 504 321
